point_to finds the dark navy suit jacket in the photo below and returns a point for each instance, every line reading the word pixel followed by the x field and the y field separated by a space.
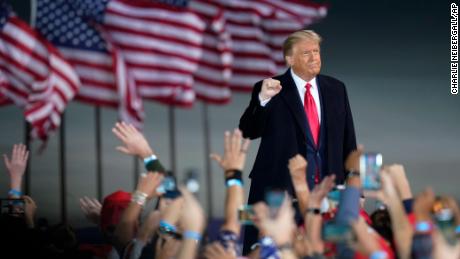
pixel 283 128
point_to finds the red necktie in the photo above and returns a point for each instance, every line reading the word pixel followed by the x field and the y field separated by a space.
pixel 312 114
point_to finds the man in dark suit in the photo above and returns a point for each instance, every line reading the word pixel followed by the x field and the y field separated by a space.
pixel 301 112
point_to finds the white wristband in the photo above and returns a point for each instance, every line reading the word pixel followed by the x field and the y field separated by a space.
pixel 149 159
pixel 139 197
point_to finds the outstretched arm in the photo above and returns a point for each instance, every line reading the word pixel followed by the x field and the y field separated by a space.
pixel 146 189
pixel 298 169
pixel 16 167
pixel 193 222
pixel 134 143
pixel 233 163
pixel 253 120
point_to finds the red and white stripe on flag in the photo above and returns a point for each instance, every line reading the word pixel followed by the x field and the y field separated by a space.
pixel 211 79
pixel 162 46
pixel 35 76
pixel 258 29
pixel 252 56
pixel 288 16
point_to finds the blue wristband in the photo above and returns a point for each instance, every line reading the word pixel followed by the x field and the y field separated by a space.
pixel 167 226
pixel 378 255
pixel 232 182
pixel 422 227
pixel 192 235
pixel 268 248
pixel 14 192
pixel 457 230
pixel 150 158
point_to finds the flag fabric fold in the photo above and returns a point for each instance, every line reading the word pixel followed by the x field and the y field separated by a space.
pixel 101 67
pixel 171 51
pixel 33 75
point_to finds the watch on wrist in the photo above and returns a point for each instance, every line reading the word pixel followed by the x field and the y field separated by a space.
pixel 314 211
pixel 351 173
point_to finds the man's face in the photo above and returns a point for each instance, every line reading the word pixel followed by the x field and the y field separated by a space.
pixel 305 59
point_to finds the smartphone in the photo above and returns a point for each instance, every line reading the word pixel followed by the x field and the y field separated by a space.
pixel 169 188
pixel 274 198
pixel 445 221
pixel 13 207
pixel 245 215
pixel 334 194
pixel 369 169
pixel 336 233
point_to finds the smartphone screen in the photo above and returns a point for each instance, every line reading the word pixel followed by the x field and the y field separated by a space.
pixel 168 188
pixel 274 198
pixel 333 232
pixel 334 194
pixel 444 220
pixel 13 207
pixel 369 169
pixel 245 215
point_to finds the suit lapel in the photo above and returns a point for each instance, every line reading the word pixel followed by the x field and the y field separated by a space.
pixel 291 96
pixel 322 130
pixel 326 95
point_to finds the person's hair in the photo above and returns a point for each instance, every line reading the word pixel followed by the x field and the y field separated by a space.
pixel 381 222
pixel 298 36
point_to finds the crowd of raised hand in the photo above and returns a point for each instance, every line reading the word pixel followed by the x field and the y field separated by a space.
pixel 424 226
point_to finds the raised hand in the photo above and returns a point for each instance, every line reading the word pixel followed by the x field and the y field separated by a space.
pixel 270 88
pixel 281 228
pixel 91 207
pixel 149 182
pixel 321 190
pixel 367 241
pixel 453 205
pixel 297 168
pixel 30 208
pixel 399 178
pixel 423 205
pixel 171 213
pixel 134 143
pixel 16 165
pixel 192 217
pixel 234 151
pixel 352 161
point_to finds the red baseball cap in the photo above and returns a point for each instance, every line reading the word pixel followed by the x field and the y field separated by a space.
pixel 112 208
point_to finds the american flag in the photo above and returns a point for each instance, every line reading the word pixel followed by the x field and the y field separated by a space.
pixel 211 79
pixel 258 29
pixel 105 78
pixel 33 74
pixel 162 45
pixel 214 71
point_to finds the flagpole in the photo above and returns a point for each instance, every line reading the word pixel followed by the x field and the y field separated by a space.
pixel 28 165
pixel 207 151
pixel 62 167
pixel 172 138
pixel 99 178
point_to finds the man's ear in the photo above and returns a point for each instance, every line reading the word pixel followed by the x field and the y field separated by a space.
pixel 288 60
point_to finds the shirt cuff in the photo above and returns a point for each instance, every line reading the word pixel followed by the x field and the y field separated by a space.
pixel 263 102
